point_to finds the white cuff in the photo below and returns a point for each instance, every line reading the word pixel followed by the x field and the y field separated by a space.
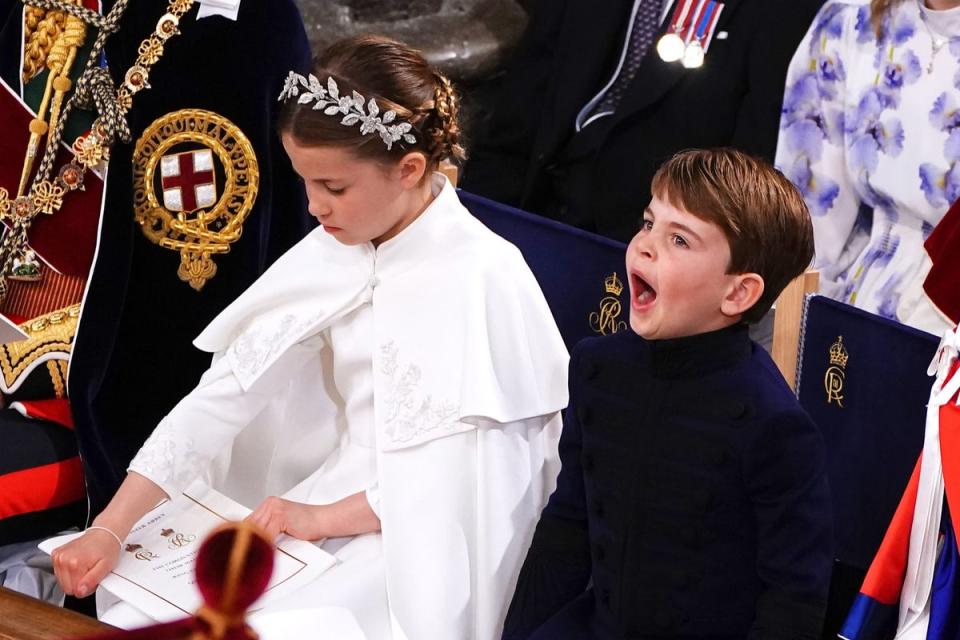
pixel 373 498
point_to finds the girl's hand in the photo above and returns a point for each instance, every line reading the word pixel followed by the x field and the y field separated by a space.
pixel 276 516
pixel 82 563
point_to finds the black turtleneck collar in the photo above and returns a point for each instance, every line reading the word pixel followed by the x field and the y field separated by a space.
pixel 700 354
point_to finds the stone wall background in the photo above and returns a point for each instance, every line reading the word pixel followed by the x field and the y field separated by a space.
pixel 469 40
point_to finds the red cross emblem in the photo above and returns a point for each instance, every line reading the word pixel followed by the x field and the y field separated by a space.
pixel 188 181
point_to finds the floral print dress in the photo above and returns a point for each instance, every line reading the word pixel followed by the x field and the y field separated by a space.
pixel 870 133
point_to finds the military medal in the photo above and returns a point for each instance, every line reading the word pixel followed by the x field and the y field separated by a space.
pixel 672 44
pixel 705 24
pixel 690 33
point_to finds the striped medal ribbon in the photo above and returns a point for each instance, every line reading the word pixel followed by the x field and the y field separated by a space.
pixel 690 32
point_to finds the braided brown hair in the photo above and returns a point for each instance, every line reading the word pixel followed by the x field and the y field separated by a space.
pixel 400 79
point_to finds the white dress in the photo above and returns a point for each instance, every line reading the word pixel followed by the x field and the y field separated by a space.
pixel 427 372
pixel 870 134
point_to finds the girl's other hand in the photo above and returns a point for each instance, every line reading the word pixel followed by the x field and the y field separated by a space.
pixel 276 515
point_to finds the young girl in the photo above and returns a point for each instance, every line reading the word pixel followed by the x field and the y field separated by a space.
pixel 396 374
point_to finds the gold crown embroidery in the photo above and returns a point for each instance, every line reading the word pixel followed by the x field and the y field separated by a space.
pixel 838 354
pixel 606 320
pixel 613 284
pixel 835 375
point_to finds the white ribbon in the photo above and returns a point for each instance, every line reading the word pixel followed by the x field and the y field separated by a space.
pixel 226 8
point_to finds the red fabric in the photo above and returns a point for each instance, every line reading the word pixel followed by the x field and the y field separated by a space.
pixel 884 580
pixel 943 247
pixel 39 488
pixel 950 454
pixel 55 410
pixel 53 291
pixel 254 575
pixel 66 239
pixel 187 180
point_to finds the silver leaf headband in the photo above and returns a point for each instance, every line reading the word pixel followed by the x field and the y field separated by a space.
pixel 354 108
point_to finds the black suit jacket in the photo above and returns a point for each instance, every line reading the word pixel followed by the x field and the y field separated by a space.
pixel 570 51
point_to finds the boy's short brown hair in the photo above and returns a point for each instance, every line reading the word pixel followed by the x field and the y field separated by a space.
pixel 761 213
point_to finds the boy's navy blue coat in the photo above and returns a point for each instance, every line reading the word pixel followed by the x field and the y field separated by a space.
pixel 692 502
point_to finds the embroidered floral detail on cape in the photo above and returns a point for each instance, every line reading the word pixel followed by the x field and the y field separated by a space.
pixel 409 411
pixel 258 345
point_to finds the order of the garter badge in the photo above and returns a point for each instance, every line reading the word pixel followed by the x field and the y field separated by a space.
pixel 195 179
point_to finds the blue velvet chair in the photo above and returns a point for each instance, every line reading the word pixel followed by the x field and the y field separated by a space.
pixel 863 379
pixel 582 274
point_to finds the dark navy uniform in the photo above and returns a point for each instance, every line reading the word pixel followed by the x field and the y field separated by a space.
pixel 692 502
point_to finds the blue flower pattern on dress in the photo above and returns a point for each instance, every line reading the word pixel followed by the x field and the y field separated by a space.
pixel 807 125
pixel 942 187
pixel 955 51
pixel 841 120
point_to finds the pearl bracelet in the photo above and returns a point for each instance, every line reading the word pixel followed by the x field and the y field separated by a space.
pixel 115 536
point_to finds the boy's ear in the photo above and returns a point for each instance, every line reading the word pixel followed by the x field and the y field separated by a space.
pixel 743 293
pixel 412 167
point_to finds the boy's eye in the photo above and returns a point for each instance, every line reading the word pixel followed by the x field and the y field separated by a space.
pixel 680 241
pixel 646 224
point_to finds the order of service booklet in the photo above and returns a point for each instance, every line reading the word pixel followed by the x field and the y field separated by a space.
pixel 156 568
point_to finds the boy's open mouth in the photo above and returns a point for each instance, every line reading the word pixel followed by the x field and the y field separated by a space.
pixel 643 293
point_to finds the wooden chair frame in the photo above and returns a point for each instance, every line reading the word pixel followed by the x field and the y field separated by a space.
pixel 786 323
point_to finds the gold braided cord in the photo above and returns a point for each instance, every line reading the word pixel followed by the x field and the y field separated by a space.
pixel 74 34
pixel 59 61
pixel 31 18
pixel 40 40
pixel 57 56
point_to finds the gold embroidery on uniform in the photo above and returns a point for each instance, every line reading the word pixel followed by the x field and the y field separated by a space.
pixel 58 377
pixel 209 228
pixel 835 375
pixel 50 333
pixel 605 321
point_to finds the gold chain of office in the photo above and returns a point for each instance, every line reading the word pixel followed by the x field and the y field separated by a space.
pixel 65 34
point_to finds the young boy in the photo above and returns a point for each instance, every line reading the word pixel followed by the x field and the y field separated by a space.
pixel 693 501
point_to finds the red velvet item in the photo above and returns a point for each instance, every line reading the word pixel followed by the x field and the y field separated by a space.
pixel 943 247
pixel 234 565
pixel 55 410
pixel 68 238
